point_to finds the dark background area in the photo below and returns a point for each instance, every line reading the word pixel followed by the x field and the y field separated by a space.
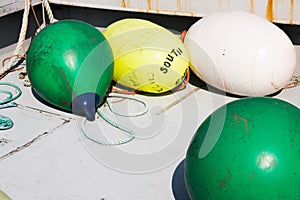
pixel 10 25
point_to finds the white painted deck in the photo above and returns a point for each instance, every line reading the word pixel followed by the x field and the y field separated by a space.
pixel 47 158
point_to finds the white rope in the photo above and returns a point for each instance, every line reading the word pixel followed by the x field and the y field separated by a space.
pixel 23 31
pixel 43 14
pixel 49 11
pixel 45 4
pixel 26 81
pixel 295 80
pixel 21 40
pixel 22 37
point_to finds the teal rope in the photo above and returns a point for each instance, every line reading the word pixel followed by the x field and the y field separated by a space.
pixel 10 96
pixel 122 128
pixel 6 122
pixel 124 96
pixel 104 142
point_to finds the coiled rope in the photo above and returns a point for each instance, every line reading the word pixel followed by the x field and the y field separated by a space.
pixel 118 126
pixel 6 122
pixel 123 94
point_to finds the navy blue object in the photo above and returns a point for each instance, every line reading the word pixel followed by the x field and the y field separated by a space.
pixel 85 105
pixel 178 183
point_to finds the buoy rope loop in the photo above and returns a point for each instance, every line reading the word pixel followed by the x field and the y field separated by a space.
pixel 124 96
pixel 129 132
pixel 106 142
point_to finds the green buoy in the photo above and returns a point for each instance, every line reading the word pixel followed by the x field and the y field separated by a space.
pixel 70 65
pixel 247 149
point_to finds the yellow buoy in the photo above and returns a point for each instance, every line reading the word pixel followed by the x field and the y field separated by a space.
pixel 147 56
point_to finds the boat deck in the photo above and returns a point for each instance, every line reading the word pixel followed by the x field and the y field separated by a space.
pixel 45 156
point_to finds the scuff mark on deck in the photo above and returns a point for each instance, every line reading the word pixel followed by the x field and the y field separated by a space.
pixel 62 117
pixel 4 141
pixel 35 139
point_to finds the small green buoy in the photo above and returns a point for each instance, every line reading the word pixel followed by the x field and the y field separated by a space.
pixel 70 65
pixel 247 149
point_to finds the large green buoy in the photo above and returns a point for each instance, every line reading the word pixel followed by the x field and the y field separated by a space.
pixel 70 65
pixel 247 149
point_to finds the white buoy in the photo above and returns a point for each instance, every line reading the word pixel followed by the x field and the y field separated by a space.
pixel 240 53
